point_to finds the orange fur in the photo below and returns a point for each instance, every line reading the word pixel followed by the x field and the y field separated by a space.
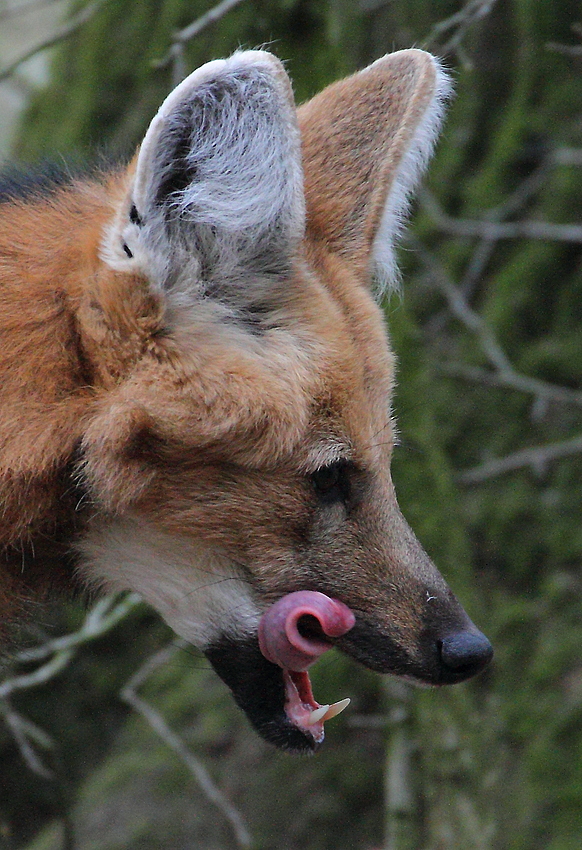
pixel 139 391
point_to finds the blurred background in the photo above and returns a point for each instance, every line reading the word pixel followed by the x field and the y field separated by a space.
pixel 114 735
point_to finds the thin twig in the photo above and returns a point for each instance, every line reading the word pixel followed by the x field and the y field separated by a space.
pixel 39 676
pixel 60 35
pixel 568 156
pixel 205 20
pixel 471 13
pixel 183 36
pixel 103 617
pixel 538 458
pixel 516 201
pixel 513 380
pixel 574 50
pixel 400 802
pixel 504 371
pixel 24 732
pixel 159 725
pixel 544 230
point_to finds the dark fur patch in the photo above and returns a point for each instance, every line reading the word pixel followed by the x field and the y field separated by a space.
pixel 135 217
pixel 178 171
pixel 146 446
pixel 18 183
pixel 48 558
pixel 27 182
pixel 381 652
pixel 258 688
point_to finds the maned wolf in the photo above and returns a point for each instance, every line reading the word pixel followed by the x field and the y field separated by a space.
pixel 196 384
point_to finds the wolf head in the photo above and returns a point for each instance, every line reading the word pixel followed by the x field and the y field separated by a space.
pixel 239 444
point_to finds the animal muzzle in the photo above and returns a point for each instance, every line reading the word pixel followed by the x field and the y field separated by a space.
pixel 301 626
pixel 442 653
pixel 268 673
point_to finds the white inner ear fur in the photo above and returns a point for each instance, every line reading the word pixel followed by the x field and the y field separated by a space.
pixel 231 128
pixel 198 591
pixel 249 158
pixel 410 170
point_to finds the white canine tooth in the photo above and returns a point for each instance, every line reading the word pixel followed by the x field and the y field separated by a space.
pixel 336 708
pixel 317 714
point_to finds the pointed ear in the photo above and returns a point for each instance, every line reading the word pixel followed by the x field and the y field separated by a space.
pixel 217 190
pixel 366 141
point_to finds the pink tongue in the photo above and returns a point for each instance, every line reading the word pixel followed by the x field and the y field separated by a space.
pixel 280 639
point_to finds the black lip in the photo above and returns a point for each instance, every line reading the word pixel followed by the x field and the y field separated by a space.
pixel 375 650
pixel 380 652
pixel 258 688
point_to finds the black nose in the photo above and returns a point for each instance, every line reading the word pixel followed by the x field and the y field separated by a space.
pixel 464 654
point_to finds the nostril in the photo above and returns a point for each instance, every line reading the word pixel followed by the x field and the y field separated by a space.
pixel 465 652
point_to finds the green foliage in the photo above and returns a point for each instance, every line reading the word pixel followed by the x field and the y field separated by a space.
pixel 107 79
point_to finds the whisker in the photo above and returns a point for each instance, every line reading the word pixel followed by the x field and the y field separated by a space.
pixel 209 584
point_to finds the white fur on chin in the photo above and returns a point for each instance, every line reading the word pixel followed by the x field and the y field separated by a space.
pixel 198 591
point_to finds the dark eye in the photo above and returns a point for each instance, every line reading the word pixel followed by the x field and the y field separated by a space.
pixel 332 483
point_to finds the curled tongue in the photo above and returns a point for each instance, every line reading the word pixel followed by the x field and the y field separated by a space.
pixel 280 638
pixel 293 634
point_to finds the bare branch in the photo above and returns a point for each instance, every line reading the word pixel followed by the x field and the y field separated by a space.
pixel 103 617
pixel 25 733
pixel 538 458
pixel 513 380
pixel 574 50
pixel 175 54
pixel 504 373
pixel 61 34
pixel 471 13
pixel 205 20
pixel 159 725
pixel 568 156
pixel 512 205
pixel 543 230
pixel 486 246
pixel 12 11
pixel 474 10
pixel 401 804
pixel 39 676
pixel 97 622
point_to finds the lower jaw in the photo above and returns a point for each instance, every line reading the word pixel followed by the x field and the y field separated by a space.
pixel 258 688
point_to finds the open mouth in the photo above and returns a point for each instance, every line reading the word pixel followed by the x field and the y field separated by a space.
pixel 293 633
pixel 301 708
pixel 278 703
pixel 268 674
